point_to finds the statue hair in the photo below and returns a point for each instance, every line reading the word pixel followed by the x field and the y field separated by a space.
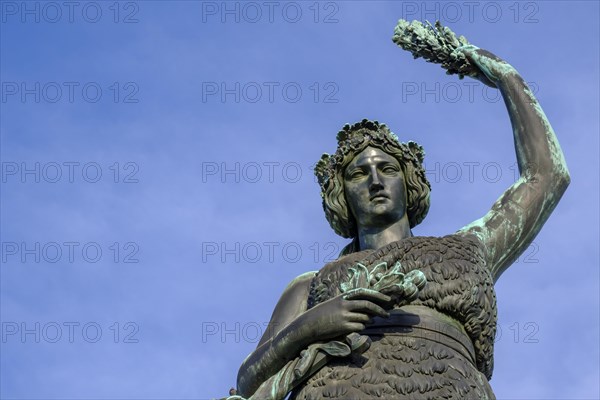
pixel 351 141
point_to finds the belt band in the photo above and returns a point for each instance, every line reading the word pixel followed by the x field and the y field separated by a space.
pixel 426 323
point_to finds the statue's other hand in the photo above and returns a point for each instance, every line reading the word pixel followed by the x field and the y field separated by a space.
pixel 490 67
pixel 343 314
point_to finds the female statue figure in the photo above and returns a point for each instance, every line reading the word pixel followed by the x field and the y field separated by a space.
pixel 399 316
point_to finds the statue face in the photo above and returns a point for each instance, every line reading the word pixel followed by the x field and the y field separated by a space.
pixel 375 188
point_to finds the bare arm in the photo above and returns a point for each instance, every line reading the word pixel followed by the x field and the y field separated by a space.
pixel 521 211
pixel 293 328
pixel 273 352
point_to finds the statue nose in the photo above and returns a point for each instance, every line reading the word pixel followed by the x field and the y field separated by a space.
pixel 375 183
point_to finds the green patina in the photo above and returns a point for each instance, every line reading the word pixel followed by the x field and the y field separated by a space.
pixel 502 235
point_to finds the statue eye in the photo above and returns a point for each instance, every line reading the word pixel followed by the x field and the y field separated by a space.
pixel 390 169
pixel 356 174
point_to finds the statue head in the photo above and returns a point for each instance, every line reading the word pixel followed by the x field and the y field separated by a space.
pixel 352 140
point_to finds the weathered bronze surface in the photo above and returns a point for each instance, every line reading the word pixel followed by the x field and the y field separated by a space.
pixel 398 316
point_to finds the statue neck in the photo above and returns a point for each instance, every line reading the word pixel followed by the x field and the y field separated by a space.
pixel 373 238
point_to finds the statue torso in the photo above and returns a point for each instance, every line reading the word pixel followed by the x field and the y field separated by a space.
pixel 420 363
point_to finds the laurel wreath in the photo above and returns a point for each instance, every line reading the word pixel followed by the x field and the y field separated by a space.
pixel 436 44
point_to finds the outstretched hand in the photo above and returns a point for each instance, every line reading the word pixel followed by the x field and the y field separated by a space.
pixel 490 67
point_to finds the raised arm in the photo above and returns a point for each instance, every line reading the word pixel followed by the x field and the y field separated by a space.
pixel 518 215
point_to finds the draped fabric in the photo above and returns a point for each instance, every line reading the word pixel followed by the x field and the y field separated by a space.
pixel 398 366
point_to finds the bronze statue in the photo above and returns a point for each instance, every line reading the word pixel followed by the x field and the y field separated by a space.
pixel 398 316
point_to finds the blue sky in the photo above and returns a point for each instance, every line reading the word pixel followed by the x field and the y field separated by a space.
pixel 170 198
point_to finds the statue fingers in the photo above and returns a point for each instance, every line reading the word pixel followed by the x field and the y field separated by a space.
pixel 354 326
pixel 368 307
pixel 366 294
pixel 358 317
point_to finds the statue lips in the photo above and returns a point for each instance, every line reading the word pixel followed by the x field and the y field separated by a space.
pixel 379 196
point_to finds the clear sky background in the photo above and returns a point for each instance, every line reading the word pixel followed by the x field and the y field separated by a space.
pixel 158 196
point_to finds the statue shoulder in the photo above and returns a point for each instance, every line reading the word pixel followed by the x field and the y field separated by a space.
pixel 299 286
pixel 305 277
pixel 291 304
